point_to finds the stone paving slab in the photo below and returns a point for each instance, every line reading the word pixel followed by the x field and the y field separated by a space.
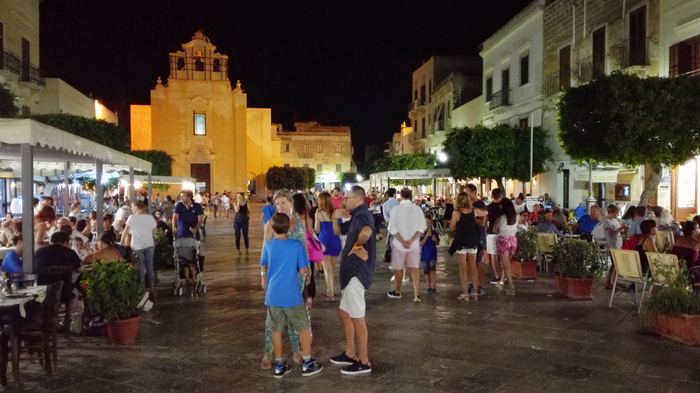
pixel 535 342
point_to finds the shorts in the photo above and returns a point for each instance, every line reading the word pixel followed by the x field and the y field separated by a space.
pixel 401 258
pixel 352 299
pixel 471 250
pixel 278 316
pixel 507 244
pixel 429 266
pixel 491 247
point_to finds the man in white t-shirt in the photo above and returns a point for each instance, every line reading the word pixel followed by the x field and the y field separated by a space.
pixel 121 217
pixel 406 226
pixel 142 226
pixel 198 198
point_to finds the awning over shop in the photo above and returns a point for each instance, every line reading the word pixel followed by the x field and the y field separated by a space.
pixel 413 174
pixel 598 175
pixel 161 179
pixel 27 144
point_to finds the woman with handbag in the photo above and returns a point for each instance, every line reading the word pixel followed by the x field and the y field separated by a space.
pixel 313 246
pixel 328 230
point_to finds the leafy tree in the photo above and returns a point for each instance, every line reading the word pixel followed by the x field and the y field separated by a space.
pixel 499 152
pixel 633 121
pixel 292 178
pixel 162 161
pixel 100 131
pixel 348 177
pixel 7 103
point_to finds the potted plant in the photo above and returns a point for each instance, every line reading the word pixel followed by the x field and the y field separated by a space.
pixel 578 263
pixel 674 309
pixel 523 265
pixel 114 291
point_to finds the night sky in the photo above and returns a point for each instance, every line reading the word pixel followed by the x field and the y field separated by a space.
pixel 341 63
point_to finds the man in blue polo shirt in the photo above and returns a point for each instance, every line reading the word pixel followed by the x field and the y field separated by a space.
pixel 588 222
pixel 187 216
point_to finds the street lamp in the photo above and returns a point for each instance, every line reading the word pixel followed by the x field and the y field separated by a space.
pixel 359 178
pixel 442 157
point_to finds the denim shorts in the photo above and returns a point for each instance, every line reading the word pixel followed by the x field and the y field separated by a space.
pixel 429 266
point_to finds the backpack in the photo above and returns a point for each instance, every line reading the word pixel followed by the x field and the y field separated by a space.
pixel 631 243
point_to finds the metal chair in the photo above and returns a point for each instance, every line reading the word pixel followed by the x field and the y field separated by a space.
pixel 42 337
pixel 52 274
pixel 628 267
pixel 664 241
pixel 545 245
pixel 659 261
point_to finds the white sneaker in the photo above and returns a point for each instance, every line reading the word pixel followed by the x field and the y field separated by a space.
pixel 405 279
pixel 393 278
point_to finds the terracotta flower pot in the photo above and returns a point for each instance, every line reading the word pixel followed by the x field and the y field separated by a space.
pixel 524 270
pixel 123 331
pixel 560 284
pixel 684 328
pixel 579 289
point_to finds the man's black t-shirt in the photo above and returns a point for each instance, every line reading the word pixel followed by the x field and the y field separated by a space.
pixel 494 210
pixel 55 255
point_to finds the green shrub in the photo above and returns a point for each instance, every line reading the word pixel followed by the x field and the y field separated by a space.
pixel 113 289
pixel 576 258
pixel 527 246
pixel 674 297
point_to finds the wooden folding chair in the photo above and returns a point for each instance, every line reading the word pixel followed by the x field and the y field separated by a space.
pixel 545 245
pixel 664 241
pixel 658 261
pixel 628 267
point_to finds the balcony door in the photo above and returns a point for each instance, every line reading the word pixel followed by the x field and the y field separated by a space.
pixel 505 87
pixel 565 67
pixel 638 36
pixel 599 53
pixel 25 60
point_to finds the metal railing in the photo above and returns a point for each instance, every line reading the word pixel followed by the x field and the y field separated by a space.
pixel 11 62
pixel 498 99
pixel 628 53
pixel 306 155
pixel 413 105
pixel 589 69
pixel 36 75
pixel 556 82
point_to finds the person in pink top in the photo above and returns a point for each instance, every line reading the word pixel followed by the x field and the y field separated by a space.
pixel 337 198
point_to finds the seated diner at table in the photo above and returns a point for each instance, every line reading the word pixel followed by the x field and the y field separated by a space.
pixel 687 247
pixel 587 223
pixel 12 263
pixel 105 249
pixel 59 254
pixel 545 225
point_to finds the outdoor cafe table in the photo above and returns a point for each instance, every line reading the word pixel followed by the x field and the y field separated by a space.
pixel 11 308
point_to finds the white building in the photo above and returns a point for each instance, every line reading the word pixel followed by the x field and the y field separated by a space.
pixel 512 83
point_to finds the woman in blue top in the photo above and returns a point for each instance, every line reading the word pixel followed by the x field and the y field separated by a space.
pixel 328 230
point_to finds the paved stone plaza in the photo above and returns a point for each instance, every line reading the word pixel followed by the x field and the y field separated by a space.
pixel 531 343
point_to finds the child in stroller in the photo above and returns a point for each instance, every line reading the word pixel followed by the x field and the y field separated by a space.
pixel 189 266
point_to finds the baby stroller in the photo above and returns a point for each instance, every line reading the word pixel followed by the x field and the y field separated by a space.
pixel 186 255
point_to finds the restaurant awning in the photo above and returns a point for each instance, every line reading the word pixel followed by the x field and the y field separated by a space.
pixel 598 175
pixel 161 179
pixel 413 174
pixel 26 144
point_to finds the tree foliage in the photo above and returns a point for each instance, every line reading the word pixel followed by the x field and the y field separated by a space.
pixel 292 178
pixel 498 152
pixel 633 121
pixel 404 162
pixel 162 161
pixel 100 131
pixel 7 103
pixel 348 178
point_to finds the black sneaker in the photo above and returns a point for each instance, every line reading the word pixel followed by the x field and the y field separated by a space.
pixel 310 368
pixel 482 291
pixel 357 368
pixel 394 295
pixel 342 360
pixel 496 280
pixel 281 369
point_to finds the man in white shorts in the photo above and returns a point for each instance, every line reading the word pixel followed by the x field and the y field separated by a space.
pixel 357 261
pixel 406 225
pixel 494 209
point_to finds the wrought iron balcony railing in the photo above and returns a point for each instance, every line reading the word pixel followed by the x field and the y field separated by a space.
pixel 631 53
pixel 498 99
pixel 11 62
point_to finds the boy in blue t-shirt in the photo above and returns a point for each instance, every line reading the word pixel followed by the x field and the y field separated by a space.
pixel 429 241
pixel 282 259
pixel 267 211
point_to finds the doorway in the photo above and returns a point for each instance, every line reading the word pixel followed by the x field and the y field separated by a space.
pixel 202 175
pixel 565 193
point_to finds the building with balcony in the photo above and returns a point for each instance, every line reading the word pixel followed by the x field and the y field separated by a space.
pixel 440 85
pixel 327 149
pixel 583 40
pixel 512 81
pixel 206 125
pixel 19 52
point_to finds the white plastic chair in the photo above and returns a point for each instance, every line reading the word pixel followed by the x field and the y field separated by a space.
pixel 659 261
pixel 664 241
pixel 628 267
